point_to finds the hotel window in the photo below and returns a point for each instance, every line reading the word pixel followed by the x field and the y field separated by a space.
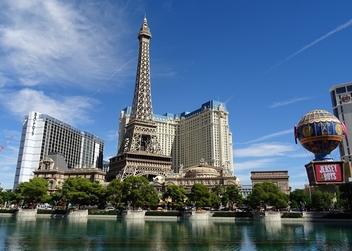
pixel 340 90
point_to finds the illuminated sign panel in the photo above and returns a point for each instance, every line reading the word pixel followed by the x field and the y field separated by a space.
pixel 328 172
pixel 325 172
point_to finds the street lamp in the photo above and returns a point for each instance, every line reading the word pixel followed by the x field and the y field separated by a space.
pixel 129 205
pixel 193 204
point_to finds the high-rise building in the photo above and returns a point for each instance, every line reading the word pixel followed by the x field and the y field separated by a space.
pixel 189 137
pixel 42 134
pixel 341 98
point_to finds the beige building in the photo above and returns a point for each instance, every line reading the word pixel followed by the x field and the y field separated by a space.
pixel 202 173
pixel 190 136
pixel 279 178
pixel 54 169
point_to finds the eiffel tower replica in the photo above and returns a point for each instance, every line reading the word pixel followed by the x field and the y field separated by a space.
pixel 140 153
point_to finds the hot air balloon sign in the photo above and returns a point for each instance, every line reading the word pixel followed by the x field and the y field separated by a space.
pixel 320 132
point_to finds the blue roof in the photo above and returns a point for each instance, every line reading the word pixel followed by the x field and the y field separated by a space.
pixel 212 104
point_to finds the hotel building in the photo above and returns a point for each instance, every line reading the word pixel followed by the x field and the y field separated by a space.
pixel 43 135
pixel 342 108
pixel 191 137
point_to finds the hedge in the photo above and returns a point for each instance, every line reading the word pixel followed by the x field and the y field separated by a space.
pixel 338 216
pixel 5 211
pixel 104 212
pixel 43 211
pixel 233 214
pixel 162 213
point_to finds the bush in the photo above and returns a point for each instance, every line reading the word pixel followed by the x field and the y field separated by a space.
pixel 233 214
pixel 292 215
pixel 338 216
pixel 104 212
pixel 162 213
pixel 43 211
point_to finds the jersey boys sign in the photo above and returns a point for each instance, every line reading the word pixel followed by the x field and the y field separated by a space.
pixel 324 172
pixel 328 172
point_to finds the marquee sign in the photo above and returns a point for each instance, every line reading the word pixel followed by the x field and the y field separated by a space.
pixel 325 172
pixel 34 122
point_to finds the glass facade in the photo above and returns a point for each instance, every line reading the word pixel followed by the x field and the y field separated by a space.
pixel 43 134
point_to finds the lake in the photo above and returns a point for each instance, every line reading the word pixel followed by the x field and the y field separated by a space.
pixel 133 234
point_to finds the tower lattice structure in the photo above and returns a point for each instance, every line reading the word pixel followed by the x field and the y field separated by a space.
pixel 140 153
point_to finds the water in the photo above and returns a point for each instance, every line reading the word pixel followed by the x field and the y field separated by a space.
pixel 94 234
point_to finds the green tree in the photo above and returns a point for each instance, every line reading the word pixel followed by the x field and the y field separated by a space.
pixel 98 195
pixel 322 200
pixel 1 196
pixel 138 191
pixel 200 194
pixel 346 195
pixel 267 193
pixel 232 195
pixel 176 193
pixel 150 195
pixel 217 193
pixel 215 200
pixel 8 197
pixel 57 197
pixel 114 192
pixel 32 191
pixel 298 197
pixel 80 191
pixel 218 190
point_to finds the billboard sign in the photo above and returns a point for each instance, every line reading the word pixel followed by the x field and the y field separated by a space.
pixel 325 172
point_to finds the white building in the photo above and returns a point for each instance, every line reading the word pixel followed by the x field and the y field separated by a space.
pixel 42 134
pixel 189 137
pixel 342 108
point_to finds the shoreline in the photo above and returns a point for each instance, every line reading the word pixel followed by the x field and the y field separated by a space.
pixel 134 215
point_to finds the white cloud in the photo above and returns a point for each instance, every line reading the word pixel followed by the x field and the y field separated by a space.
pixel 273 135
pixel 337 29
pixel 71 110
pixel 264 149
pixel 112 135
pixel 49 42
pixel 253 164
pixel 292 101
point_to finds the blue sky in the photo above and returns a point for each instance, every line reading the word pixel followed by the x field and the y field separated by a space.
pixel 271 62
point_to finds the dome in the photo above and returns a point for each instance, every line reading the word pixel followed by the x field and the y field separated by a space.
pixel 319 132
pixel 201 171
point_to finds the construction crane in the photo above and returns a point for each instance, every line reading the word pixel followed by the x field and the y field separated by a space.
pixel 2 147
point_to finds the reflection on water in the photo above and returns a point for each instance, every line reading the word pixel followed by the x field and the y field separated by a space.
pixel 137 234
